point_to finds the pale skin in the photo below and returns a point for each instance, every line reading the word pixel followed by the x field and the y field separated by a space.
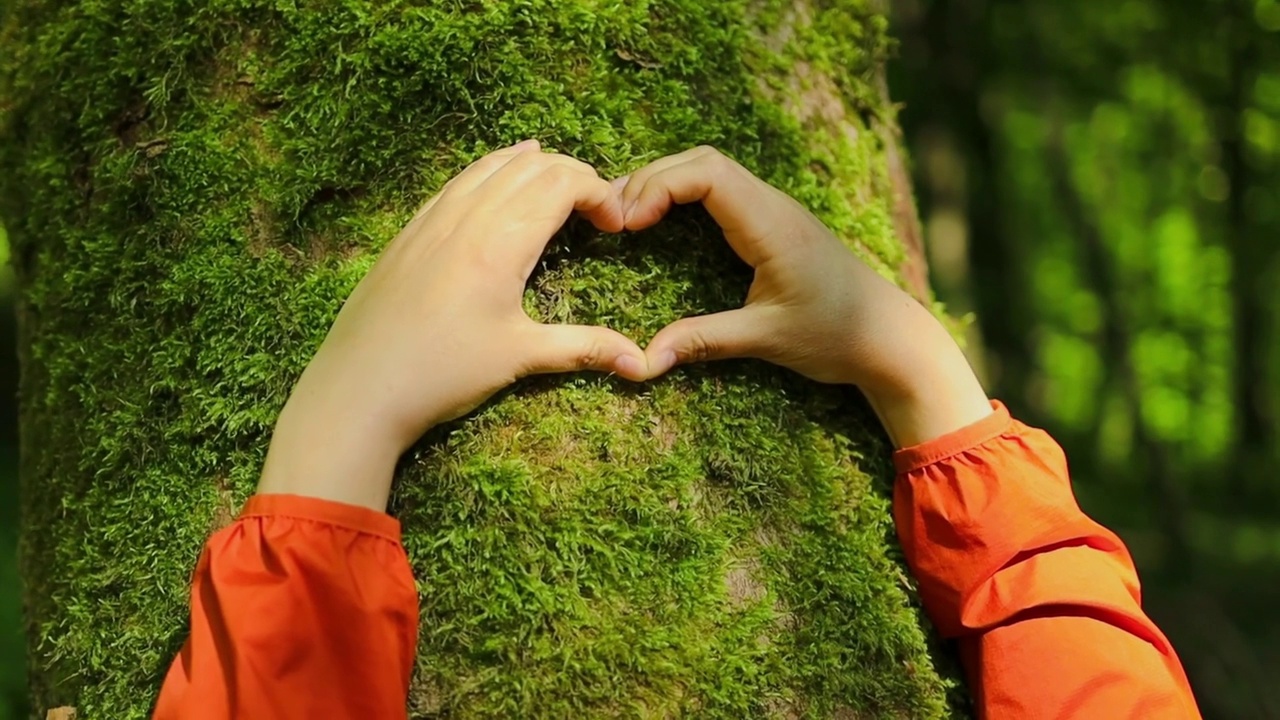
pixel 436 327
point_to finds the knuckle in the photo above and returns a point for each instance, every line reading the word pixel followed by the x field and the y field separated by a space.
pixel 699 348
pixel 590 355
pixel 560 173
pixel 575 165
pixel 480 165
pixel 527 159
pixel 714 156
pixel 719 164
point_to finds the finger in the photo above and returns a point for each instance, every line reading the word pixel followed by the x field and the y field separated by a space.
pixel 557 184
pixel 731 334
pixel 471 176
pixel 745 207
pixel 532 198
pixel 570 348
pixel 477 172
pixel 481 170
pixel 597 201
pixel 637 179
pixel 530 166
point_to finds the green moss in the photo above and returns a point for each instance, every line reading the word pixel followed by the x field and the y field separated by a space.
pixel 191 189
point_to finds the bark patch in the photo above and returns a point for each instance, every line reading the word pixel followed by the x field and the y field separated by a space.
pixel 742 583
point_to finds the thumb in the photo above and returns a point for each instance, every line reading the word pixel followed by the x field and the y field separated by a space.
pixel 569 348
pixel 731 334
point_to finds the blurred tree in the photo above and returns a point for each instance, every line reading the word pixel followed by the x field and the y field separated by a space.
pixel 193 187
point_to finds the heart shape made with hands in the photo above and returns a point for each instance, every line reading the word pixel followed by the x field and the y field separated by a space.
pixel 746 209
pixel 790 312
pixel 439 320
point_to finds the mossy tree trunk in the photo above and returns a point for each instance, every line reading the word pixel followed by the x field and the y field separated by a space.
pixel 193 187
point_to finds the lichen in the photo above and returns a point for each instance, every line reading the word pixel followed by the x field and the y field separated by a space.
pixel 193 187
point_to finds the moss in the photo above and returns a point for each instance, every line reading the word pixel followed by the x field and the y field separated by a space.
pixel 191 189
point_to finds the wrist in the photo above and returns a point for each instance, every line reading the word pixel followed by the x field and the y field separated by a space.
pixel 325 453
pixel 932 390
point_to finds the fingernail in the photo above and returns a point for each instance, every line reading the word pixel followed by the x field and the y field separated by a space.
pixel 629 366
pixel 628 211
pixel 668 360
pixel 620 183
pixel 523 144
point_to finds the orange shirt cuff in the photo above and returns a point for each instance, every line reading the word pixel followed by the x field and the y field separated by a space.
pixel 913 458
pixel 300 507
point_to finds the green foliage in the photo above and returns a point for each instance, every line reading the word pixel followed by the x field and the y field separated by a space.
pixel 193 187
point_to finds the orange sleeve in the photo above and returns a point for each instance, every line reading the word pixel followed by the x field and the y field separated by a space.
pixel 302 608
pixel 1043 600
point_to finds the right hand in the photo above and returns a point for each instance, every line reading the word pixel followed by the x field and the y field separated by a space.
pixel 813 306
pixel 436 327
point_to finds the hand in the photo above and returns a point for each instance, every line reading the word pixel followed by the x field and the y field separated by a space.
pixel 436 326
pixel 812 306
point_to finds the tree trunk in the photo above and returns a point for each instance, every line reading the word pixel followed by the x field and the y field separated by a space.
pixel 193 187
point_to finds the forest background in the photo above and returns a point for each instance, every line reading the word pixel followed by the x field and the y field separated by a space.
pixel 1099 183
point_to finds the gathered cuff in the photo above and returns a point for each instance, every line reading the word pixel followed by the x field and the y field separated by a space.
pixel 328 512
pixel 913 458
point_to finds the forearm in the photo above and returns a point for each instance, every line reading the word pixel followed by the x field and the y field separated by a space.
pixel 330 453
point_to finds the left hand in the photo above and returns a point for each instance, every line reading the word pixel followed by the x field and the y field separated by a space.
pixel 813 306
pixel 437 327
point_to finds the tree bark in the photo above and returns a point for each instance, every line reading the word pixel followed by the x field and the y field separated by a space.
pixel 192 188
